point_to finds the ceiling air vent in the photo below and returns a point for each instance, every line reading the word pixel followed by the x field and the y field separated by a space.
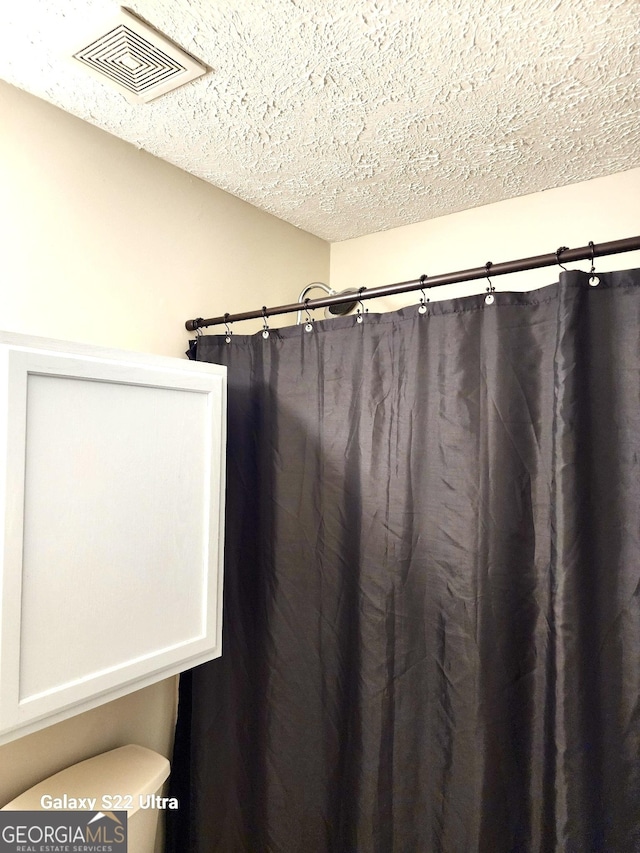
pixel 138 60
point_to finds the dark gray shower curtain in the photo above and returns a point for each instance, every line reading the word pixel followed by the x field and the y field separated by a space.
pixel 432 597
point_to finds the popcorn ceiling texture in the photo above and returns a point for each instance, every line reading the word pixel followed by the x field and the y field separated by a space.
pixel 346 118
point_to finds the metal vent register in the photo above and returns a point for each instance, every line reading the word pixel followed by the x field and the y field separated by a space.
pixel 138 60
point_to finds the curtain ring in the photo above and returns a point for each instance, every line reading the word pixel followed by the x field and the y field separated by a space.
pixel 227 329
pixel 594 281
pixel 359 312
pixel 558 253
pixel 489 298
pixel 308 326
pixel 265 326
pixel 423 299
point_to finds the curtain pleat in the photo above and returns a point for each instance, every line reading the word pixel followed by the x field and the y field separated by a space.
pixel 432 585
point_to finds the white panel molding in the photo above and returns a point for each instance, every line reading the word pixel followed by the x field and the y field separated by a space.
pixel 112 496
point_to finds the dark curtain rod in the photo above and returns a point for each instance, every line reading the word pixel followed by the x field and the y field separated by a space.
pixel 563 255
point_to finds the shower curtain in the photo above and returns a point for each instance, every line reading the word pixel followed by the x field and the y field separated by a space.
pixel 432 585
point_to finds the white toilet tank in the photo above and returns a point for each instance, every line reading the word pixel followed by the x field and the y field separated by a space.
pixel 132 772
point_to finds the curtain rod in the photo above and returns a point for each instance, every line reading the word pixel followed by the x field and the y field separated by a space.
pixel 565 255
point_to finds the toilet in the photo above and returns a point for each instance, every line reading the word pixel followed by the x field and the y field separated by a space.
pixel 129 775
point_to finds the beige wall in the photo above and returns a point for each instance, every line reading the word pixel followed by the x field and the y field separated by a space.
pixel 599 210
pixel 103 243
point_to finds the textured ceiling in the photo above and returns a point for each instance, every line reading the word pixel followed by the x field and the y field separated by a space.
pixel 346 118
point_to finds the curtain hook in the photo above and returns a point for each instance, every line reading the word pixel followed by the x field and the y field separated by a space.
pixel 227 329
pixel 594 281
pixel 308 326
pixel 558 253
pixel 489 298
pixel 359 312
pixel 423 299
pixel 265 326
